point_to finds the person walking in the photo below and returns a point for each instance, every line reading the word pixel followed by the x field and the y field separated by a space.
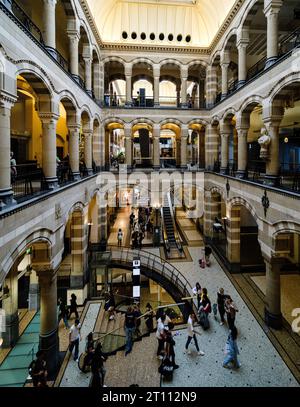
pixel 137 314
pixel 231 349
pixel 169 348
pixel 207 253
pixel 75 338
pixel 192 335
pixel 38 370
pixel 197 291
pixel 160 334
pixel 221 297
pixel 129 326
pixel 62 313
pixel 89 349
pixel 120 237
pixel 73 306
pixel 149 317
pixel 231 310
pixel 97 368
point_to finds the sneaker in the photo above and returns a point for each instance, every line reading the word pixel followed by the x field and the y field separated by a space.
pixel 176 367
pixel 76 360
pixel 221 323
pixel 189 352
pixel 160 357
pixel 201 353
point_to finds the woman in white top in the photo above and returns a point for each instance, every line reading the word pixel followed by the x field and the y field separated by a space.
pixel 192 335
pixel 120 237
pixel 162 326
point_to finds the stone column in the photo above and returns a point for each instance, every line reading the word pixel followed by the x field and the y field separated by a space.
pixel 273 163
pixel 156 77
pixel 224 68
pixel 184 138
pixel 102 217
pixel 88 75
pixel 273 315
pixel 49 122
pixel 211 146
pixel 74 150
pixel 49 341
pixel 242 50
pixel 10 306
pixel 96 79
pixel 225 134
pixel 156 147
pixel 50 25
pixel 6 192
pixel 201 102
pixel 178 89
pixel 242 152
pixel 211 86
pixel 128 77
pixel 128 146
pixel 78 250
pixel 271 10
pixel 233 234
pixel 88 151
pixel 184 77
pixel 34 292
pixel 102 146
pixel 74 53
pixel 97 147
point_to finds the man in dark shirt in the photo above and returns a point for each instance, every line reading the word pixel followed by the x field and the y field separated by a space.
pixel 63 313
pixel 129 327
pixel 38 370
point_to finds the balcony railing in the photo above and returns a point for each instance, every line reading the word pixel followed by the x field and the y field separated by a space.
pixel 18 15
pixel 27 181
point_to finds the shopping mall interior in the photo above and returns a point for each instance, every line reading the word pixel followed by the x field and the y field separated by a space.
pixel 163 134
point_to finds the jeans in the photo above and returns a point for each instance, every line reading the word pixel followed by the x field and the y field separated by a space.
pixel 65 319
pixel 129 334
pixel 221 312
pixel 76 345
pixel 231 358
pixel 161 344
pixel 189 341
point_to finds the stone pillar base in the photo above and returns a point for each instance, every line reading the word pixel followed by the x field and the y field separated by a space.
pixel 270 62
pixel 90 171
pixel 183 167
pixel 272 320
pixel 223 170
pixel 156 104
pixel 6 198
pixel 76 176
pixel 271 180
pixel 156 167
pixel 11 334
pixel 89 92
pixel 223 96
pixel 240 84
pixel 52 183
pixel 241 174
pixel 50 345
pixel 76 78
pixel 128 104
pixel 184 105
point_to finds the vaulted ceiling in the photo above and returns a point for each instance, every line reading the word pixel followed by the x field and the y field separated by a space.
pixel 160 22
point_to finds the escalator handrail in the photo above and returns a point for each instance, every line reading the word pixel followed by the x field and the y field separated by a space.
pixel 165 235
pixel 176 235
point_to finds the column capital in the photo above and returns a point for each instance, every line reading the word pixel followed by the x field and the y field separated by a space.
pixel 73 35
pixel 225 57
pixel 225 128
pixel 184 129
pixel 50 2
pixel 156 70
pixel 272 121
pixel 156 127
pixel 7 101
pixel 272 6
pixel 44 271
pixel 128 69
pixel 242 36
pixel 47 118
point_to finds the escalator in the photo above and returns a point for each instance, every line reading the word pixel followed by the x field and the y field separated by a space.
pixel 171 238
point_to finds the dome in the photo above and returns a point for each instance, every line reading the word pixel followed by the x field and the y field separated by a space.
pixel 159 22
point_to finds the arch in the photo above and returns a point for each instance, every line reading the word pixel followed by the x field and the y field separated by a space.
pixel 37 78
pixel 39 235
pixel 170 61
pixel 114 59
pixel 86 110
pixel 69 8
pixel 249 102
pixel 215 120
pixel 285 226
pixel 142 60
pixel 237 201
pixel 67 95
pixel 196 62
pixel 231 34
pixel 142 120
pixel 96 119
pixel 290 79
pixel 247 17
pixel 83 25
pixel 170 120
pixel 217 190
pixel 216 55
pixel 169 78
pixel 111 120
pixel 229 112
pixel 78 206
pixel 197 121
